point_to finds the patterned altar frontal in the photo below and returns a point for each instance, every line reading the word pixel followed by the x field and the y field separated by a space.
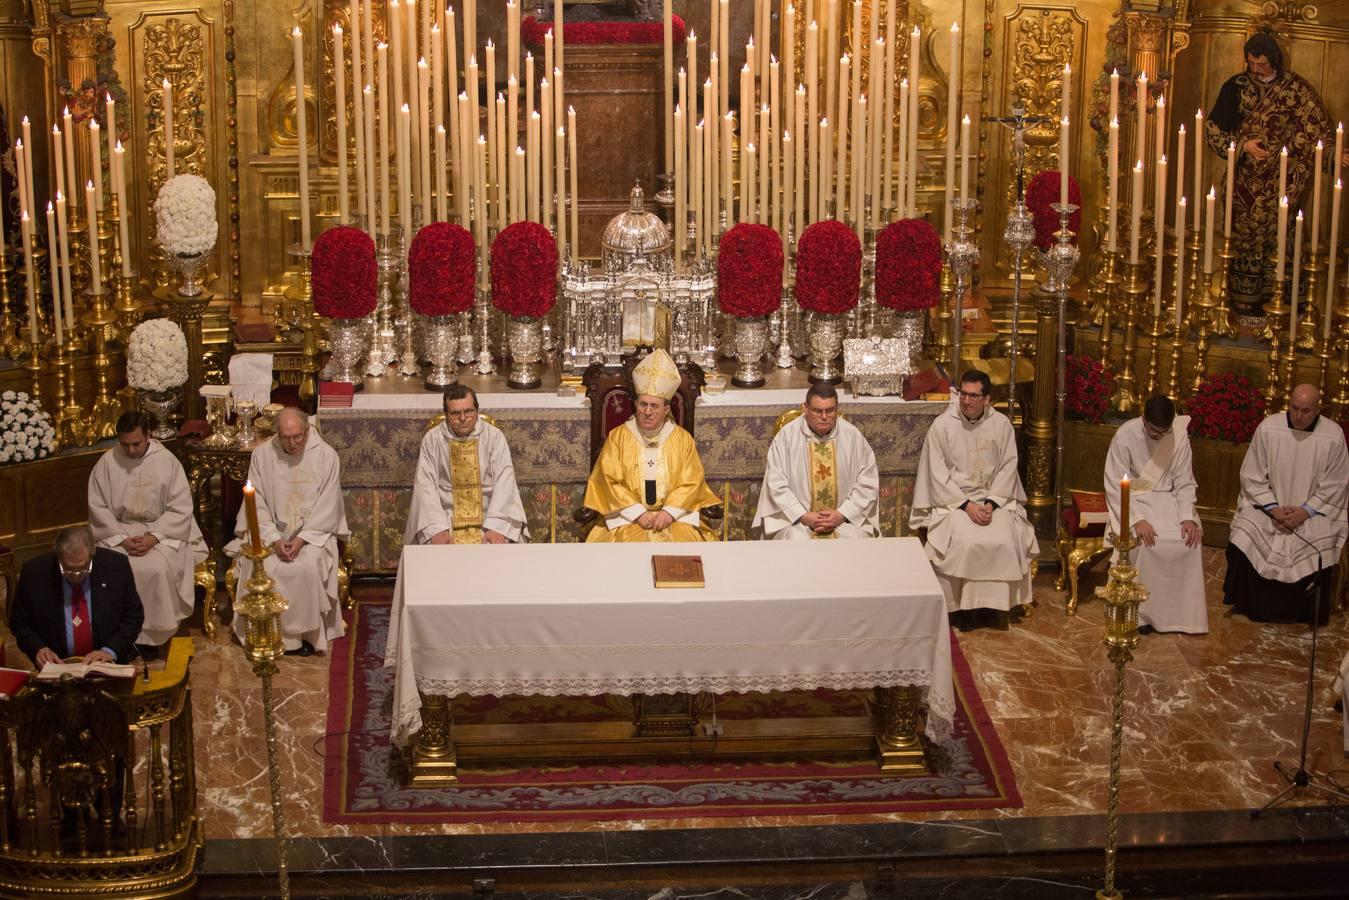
pixel 550 447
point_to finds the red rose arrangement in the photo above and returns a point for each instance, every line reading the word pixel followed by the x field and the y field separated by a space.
pixel 1089 389
pixel 828 267
pixel 442 267
pixel 524 270
pixel 345 274
pixel 908 265
pixel 749 271
pixel 532 32
pixel 1041 195
pixel 1227 407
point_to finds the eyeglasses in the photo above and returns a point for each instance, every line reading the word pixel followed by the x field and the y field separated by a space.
pixel 966 395
pixel 461 415
pixel 78 574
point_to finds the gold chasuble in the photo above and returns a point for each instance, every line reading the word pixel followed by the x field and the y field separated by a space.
pixel 466 481
pixel 634 474
pixel 823 481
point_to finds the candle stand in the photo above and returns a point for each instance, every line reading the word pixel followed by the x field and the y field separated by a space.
pixel 1126 396
pixel 1273 402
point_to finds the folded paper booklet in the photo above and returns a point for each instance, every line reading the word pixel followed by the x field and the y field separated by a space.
pixel 677 571
pixel 53 671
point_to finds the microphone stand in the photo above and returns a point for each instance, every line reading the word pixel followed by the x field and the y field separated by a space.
pixel 1300 779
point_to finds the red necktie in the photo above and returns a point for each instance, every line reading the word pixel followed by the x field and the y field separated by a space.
pixel 79 617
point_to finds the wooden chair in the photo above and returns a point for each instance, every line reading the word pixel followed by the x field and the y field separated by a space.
pixel 1079 547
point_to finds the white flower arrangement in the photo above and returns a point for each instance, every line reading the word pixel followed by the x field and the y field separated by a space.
pixel 156 356
pixel 185 213
pixel 26 431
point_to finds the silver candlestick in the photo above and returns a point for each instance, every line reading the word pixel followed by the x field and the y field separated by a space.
pixel 1019 235
pixel 1059 262
pixel 383 350
pixel 963 254
pixel 484 314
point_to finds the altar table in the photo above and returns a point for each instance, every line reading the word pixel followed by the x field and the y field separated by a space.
pixel 581 620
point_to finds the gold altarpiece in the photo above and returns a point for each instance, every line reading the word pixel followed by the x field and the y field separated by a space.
pixel 234 99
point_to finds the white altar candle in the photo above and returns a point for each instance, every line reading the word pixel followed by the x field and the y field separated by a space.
pixel 967 159
pixel 546 150
pixel 844 108
pixel 1063 161
pixel 812 86
pixel 1114 95
pixel 358 79
pixel 63 238
pixel 1198 157
pixel 667 74
pixel 382 58
pixel 1160 125
pixel 1280 257
pixel 826 172
pixel 1339 151
pixel 1231 184
pixel 340 114
pixel 68 139
pixel 96 161
pixel 1141 129
pixel 1159 260
pixel 55 282
pixel 301 135
pixel 1297 278
pixel 1283 172
pixel 1180 172
pixel 441 164
pixel 1210 210
pixel 1112 193
pixel 168 129
pixel 95 272
pixel 403 150
pixel 915 62
pixel 60 153
pixel 952 105
pixel 26 234
pixel 1136 211
pixel 1180 261
pixel 533 157
pixel 371 203
pixel 110 127
pixel 459 154
pixel 496 149
pixel 124 222
pixel 560 158
pixel 572 180
pixel 518 177
pixel 1316 196
pixel 423 157
pixel 1329 314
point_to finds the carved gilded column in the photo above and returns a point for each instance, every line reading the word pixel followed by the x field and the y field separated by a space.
pixel 1041 428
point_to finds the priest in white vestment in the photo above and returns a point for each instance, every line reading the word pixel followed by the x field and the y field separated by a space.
pixel 140 506
pixel 1154 451
pixel 1294 484
pixel 969 497
pixel 465 491
pixel 301 516
pixel 820 480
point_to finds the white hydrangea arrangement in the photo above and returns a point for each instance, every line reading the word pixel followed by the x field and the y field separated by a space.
pixel 185 213
pixel 156 356
pixel 26 431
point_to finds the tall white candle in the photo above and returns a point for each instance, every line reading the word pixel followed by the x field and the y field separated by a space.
pixel 1180 171
pixel 371 190
pixel 58 147
pixel 1159 260
pixel 532 162
pixel 1112 191
pixel 1316 196
pixel 1114 94
pixel 1231 183
pixel 967 158
pixel 440 163
pixel 1136 211
pixel 915 63
pixel 423 157
pixel 340 114
pixel 1198 138
pixel 110 129
pixel 95 270
pixel 168 129
pixel 560 158
pixel 1180 261
pixel 124 221
pixel 1339 150
pixel 1281 255
pixel 63 238
pixel 1297 278
pixel 826 172
pixel 952 104
pixel 96 161
pixel 518 177
pixel 359 61
pixel 1063 160
pixel 1141 129
pixel 55 282
pixel 26 235
pixel 1331 287
pixel 301 135
pixel 667 73
pixel 572 180
pixel 1210 210
pixel 1283 172
pixel 403 150
pixel 385 154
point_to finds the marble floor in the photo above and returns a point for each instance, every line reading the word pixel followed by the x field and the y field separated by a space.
pixel 1205 717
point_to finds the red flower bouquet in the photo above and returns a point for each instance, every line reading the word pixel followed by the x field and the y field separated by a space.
pixel 1041 195
pixel 1227 407
pixel 442 266
pixel 345 274
pixel 828 267
pixel 532 32
pixel 524 270
pixel 908 265
pixel 1089 389
pixel 749 271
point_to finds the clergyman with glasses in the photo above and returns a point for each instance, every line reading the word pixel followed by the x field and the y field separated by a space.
pixel 1154 451
pixel 77 600
pixel 969 497
pixel 464 491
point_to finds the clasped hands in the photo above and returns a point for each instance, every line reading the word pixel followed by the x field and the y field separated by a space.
pixel 979 511
pixel 655 520
pixel 823 521
pixel 1288 518
pixel 1190 532
pixel 287 550
pixel 139 545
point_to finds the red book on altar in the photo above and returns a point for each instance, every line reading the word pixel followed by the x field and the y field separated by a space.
pixel 10 682
pixel 1090 506
pixel 335 395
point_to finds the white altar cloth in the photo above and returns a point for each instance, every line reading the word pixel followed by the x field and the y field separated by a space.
pixel 585 619
pixel 432 401
pixel 788 397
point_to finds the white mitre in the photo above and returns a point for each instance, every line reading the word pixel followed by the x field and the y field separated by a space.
pixel 656 376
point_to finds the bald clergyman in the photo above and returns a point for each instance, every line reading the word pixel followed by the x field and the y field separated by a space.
pixel 1290 524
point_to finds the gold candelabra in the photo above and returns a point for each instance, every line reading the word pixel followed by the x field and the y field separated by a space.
pixel 942 353
pixel 1272 332
pixel 1195 262
pixel 1221 317
pixel 1157 329
pixel 1309 330
pixel 1203 311
pixel 105 410
pixel 300 308
pixel 34 367
pixel 1276 310
pixel 1108 291
pixel 1342 344
pixel 1126 397
pixel 261 609
pixel 1173 382
pixel 1121 596
pixel 123 283
pixel 12 344
pixel 1287 362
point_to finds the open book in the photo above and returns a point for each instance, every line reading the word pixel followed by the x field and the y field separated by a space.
pixel 53 671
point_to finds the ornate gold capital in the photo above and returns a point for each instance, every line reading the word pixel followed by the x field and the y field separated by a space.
pixel 79 37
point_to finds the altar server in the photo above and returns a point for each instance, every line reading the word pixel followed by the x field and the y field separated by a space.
pixel 820 480
pixel 1291 509
pixel 648 484
pixel 969 497
pixel 301 517
pixel 465 491
pixel 140 506
pixel 1154 451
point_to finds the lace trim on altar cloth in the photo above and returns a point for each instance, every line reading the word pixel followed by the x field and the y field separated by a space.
pixel 940 707
pixel 455 652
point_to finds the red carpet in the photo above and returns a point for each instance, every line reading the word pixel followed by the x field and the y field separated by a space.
pixel 363 773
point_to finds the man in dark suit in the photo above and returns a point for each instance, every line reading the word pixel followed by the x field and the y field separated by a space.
pixel 77 600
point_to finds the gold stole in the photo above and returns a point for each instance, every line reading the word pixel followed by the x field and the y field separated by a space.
pixel 823 480
pixel 466 483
